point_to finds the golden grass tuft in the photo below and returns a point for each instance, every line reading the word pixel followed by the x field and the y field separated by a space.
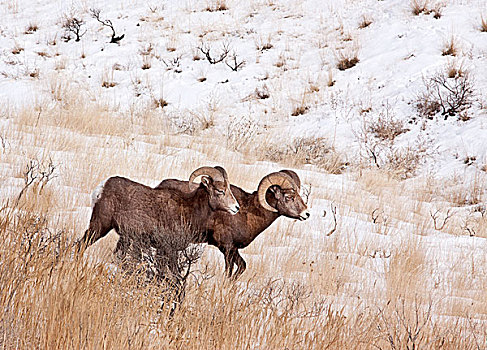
pixel 483 24
pixel 365 21
pixel 450 47
pixel 347 58
pixel 418 6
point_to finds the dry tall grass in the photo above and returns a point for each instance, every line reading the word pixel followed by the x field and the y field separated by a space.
pixel 53 299
pixel 382 280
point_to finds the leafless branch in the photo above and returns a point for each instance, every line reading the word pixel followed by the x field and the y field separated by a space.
pixel 380 254
pixel 206 50
pixel 3 142
pixel 46 174
pixel 234 64
pixel 435 217
pixel 35 171
pixel 467 227
pixel 95 13
pixel 30 175
pixel 333 210
pixel 375 215
pixel 306 192
pixel 174 64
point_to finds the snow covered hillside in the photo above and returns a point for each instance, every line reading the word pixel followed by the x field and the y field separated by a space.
pixel 285 55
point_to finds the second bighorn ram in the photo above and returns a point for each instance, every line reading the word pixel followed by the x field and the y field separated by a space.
pixel 138 212
pixel 277 194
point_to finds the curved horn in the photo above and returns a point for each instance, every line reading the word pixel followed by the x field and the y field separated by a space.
pixel 215 174
pixel 294 176
pixel 223 171
pixel 280 179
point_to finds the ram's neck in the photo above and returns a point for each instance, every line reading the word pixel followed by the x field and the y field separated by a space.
pixel 257 218
pixel 197 208
pixel 264 217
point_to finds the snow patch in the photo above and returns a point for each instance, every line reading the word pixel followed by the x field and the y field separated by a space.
pixel 96 195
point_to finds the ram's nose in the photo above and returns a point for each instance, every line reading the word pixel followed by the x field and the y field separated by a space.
pixel 234 209
pixel 304 215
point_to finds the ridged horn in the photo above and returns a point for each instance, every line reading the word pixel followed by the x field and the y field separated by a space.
pixel 215 174
pixel 294 176
pixel 280 179
pixel 224 173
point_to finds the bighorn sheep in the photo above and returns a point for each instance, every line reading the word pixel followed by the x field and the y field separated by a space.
pixel 137 211
pixel 277 194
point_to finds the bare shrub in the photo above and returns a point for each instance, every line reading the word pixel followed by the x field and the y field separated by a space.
pixel 444 94
pixel 240 132
pixel 191 122
pixel 464 193
pixel 307 150
pixel 73 25
pixel 95 13
pixel 166 255
pixel 174 64
pixel 405 325
pixel 386 126
pixel 206 50
pixel 37 174
pixel 234 63
pixel 377 145
pixel 403 162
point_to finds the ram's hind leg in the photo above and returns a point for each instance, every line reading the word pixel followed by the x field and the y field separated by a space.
pixel 97 229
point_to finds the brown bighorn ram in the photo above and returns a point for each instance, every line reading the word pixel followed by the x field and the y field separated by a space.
pixel 277 194
pixel 136 211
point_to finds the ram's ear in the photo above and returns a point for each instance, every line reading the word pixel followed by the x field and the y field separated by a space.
pixel 276 191
pixel 206 181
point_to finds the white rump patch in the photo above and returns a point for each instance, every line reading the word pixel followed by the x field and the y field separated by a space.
pixel 96 194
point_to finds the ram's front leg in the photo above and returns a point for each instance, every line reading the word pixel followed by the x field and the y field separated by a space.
pixel 240 262
pixel 227 253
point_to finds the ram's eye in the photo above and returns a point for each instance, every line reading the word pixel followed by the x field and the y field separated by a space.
pixel 289 198
pixel 220 193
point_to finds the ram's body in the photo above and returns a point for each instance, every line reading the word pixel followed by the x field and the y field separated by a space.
pixel 141 213
pixel 232 232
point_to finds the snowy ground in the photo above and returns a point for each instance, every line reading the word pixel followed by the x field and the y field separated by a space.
pixel 290 51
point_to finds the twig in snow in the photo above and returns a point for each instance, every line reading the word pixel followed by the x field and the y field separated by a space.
pixel 435 217
pixel 334 212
